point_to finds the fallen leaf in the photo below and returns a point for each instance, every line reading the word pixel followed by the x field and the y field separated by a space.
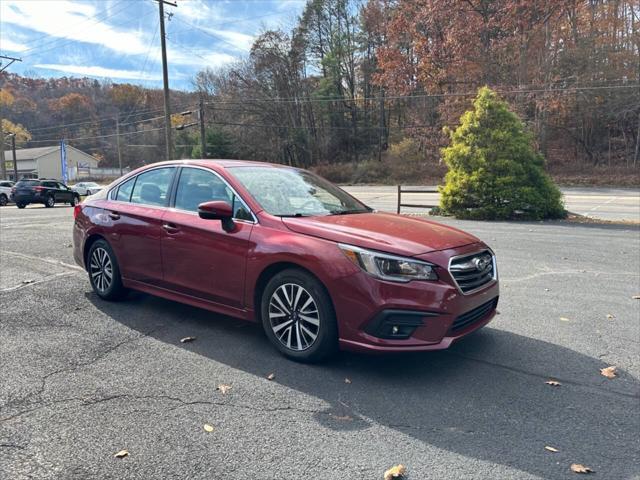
pixel 553 383
pixel 609 372
pixel 208 428
pixel 610 316
pixel 223 388
pixel 122 454
pixel 579 468
pixel 395 472
pixel 546 289
pixel 347 380
pixel 551 449
pixel 564 319
pixel 26 282
pixel 187 339
pixel 636 297
pixel 271 376
pixel 344 418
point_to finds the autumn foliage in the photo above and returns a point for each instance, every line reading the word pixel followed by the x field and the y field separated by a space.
pixel 494 171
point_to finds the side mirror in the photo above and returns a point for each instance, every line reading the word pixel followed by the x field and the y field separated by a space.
pixel 217 210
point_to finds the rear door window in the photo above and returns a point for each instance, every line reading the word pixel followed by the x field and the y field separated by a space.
pixel 152 187
pixel 123 193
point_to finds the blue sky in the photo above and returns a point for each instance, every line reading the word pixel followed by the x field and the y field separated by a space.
pixel 120 39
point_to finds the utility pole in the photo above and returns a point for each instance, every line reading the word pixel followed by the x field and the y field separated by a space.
pixel 118 143
pixel 13 59
pixel 203 139
pixel 3 161
pixel 15 161
pixel 3 164
pixel 165 80
pixel 382 125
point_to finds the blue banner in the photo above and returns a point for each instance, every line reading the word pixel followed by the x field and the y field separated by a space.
pixel 63 160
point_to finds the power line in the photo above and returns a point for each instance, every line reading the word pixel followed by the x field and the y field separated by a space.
pixel 108 119
pixel 418 96
pixel 37 40
pixel 54 44
pixel 49 140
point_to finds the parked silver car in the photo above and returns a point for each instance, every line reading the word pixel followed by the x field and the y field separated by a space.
pixel 86 188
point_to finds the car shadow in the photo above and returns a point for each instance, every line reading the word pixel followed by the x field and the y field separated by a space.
pixel 485 398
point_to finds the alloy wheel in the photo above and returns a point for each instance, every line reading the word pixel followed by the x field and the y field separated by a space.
pixel 101 269
pixel 294 317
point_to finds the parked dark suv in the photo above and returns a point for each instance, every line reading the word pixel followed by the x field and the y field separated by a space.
pixel 45 191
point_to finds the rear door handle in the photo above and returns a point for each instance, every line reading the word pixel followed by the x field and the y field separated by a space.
pixel 114 215
pixel 170 228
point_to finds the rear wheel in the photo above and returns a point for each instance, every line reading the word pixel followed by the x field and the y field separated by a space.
pixel 21 205
pixel 298 316
pixel 88 192
pixel 73 201
pixel 3 200
pixel 50 201
pixel 104 271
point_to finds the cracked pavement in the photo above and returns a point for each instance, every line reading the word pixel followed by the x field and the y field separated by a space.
pixel 81 379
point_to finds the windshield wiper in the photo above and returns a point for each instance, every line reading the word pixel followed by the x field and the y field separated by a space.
pixel 297 214
pixel 347 212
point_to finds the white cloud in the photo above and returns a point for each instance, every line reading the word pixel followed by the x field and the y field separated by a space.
pixel 198 10
pixel 100 72
pixel 238 40
pixel 75 21
pixel 11 46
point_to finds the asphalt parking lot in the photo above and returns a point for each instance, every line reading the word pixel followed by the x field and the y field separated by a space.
pixel 613 204
pixel 81 379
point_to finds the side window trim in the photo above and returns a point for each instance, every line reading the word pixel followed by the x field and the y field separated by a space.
pixel 224 181
pixel 166 200
pixel 113 193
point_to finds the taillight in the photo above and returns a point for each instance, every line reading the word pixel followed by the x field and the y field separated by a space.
pixel 38 189
pixel 76 211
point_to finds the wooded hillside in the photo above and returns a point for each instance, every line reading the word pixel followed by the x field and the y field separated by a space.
pixel 361 89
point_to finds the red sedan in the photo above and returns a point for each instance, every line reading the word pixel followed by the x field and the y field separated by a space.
pixel 281 246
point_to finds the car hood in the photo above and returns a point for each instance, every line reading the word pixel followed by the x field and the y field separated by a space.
pixel 386 232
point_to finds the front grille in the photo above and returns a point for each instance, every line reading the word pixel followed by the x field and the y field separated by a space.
pixel 473 271
pixel 475 315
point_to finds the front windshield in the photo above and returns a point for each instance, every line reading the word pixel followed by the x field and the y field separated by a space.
pixel 288 192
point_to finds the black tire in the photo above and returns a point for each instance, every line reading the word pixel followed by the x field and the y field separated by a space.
pixel 21 205
pixel 300 330
pixel 49 201
pixel 73 201
pixel 3 200
pixel 114 290
pixel 88 192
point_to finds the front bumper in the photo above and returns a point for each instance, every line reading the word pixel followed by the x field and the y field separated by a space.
pixel 426 315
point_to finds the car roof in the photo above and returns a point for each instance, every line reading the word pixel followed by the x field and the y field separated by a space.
pixel 220 162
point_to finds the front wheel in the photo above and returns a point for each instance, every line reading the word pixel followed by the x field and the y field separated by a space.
pixel 50 201
pixel 21 205
pixel 298 316
pixel 88 193
pixel 104 271
pixel 3 200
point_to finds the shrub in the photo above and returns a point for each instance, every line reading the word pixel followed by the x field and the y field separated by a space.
pixel 494 171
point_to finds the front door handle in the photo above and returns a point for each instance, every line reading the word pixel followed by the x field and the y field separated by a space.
pixel 114 215
pixel 170 228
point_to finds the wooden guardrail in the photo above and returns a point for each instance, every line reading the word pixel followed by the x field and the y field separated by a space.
pixel 414 190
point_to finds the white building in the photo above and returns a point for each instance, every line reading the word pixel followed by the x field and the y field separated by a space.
pixel 45 162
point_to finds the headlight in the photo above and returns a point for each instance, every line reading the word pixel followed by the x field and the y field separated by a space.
pixel 389 267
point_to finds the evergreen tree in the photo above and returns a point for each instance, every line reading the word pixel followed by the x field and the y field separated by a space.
pixel 494 171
